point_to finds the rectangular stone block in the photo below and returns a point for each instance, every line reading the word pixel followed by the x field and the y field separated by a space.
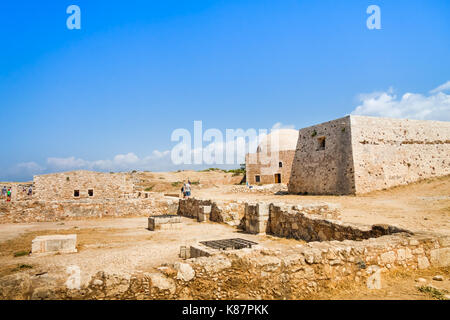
pixel 165 222
pixel 54 243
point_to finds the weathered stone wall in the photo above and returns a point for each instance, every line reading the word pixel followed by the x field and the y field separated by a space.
pixel 230 212
pixel 308 223
pixel 363 154
pixel 266 166
pixel 61 186
pixel 302 223
pixel 39 211
pixel 391 152
pixel 249 273
pixel 328 170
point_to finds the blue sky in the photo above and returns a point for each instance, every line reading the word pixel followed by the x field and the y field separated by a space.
pixel 114 91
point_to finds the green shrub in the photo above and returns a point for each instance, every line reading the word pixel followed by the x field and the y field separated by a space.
pixel 21 253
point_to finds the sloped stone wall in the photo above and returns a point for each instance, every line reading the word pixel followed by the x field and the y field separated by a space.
pixel 391 152
pixel 327 170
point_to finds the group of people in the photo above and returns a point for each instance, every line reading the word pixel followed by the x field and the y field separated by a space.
pixel 186 189
pixel 6 193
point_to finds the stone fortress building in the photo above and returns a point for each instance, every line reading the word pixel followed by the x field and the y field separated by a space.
pixel 359 154
pixel 353 155
pixel 273 158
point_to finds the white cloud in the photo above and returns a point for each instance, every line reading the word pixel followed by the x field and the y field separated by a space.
pixel 23 171
pixel 435 106
pixel 66 163
pixel 156 161
pixel 279 125
pixel 120 162
pixel 442 87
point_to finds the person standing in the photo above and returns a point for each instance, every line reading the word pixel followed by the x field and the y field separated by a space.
pixel 183 194
pixel 8 195
pixel 4 192
pixel 187 190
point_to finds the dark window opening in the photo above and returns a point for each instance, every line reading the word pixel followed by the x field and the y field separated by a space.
pixel 257 179
pixel 76 193
pixel 280 164
pixel 91 193
pixel 321 143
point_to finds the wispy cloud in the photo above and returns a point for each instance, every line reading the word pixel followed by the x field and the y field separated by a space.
pixel 435 106
pixel 156 161
pixel 442 87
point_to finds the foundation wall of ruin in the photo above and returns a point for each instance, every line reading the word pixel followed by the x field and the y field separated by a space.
pixel 327 168
pixel 391 152
pixel 40 211
pixel 266 166
pixel 230 212
pixel 249 273
pixel 61 186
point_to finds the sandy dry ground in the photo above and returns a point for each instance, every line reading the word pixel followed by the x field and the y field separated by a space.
pixel 422 206
pixel 119 246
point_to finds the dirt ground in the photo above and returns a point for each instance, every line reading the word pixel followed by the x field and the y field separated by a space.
pixel 173 181
pixel 117 246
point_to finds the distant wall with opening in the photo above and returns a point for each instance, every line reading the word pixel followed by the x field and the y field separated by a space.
pixel 82 185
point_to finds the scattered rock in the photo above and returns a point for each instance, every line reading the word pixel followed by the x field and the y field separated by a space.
pixel 421 280
pixel 438 278
pixel 97 282
pixel 185 271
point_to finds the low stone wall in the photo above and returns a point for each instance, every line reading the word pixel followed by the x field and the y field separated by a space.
pixel 300 224
pixel 229 212
pixel 249 273
pixel 39 211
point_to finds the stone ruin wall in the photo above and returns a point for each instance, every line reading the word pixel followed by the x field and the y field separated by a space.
pixel 327 171
pixel 48 211
pixel 308 223
pixel 249 273
pixel 61 186
pixel 266 167
pixel 229 212
pixel 391 152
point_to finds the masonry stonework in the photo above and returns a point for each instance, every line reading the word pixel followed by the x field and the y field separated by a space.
pixel 267 166
pixel 82 185
pixel 358 154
